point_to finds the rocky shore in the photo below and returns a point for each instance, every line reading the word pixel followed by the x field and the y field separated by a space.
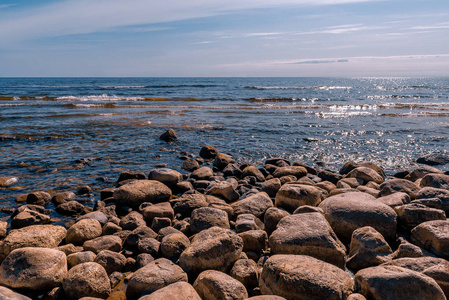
pixel 217 229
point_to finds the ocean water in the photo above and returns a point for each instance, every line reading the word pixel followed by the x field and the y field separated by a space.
pixel 47 124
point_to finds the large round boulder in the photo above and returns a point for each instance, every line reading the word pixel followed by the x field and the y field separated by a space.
pixel 33 268
pixel 308 234
pixel 215 285
pixel 392 282
pixel 139 191
pixel 83 230
pixel 215 248
pixel 304 277
pixel 167 176
pixel 255 204
pixel 348 211
pixel 87 280
pixel 154 276
pixel 291 196
pixel 399 185
pixel 177 290
pixel 432 236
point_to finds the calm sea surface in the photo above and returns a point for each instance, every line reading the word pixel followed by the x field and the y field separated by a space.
pixel 46 124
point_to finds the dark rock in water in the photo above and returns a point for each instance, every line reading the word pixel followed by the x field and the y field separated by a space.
pixel 70 208
pixel 169 136
pixel 39 198
pixel 125 175
pixel 8 181
pixel 329 176
pixel 232 170
pixel 278 162
pixel 222 160
pixel 208 152
pixel 29 217
pixel 434 159
pixel 439 181
pixel 190 165
pixel 62 197
pixel 401 174
pixel 83 190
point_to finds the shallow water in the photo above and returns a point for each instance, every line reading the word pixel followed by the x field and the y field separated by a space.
pixel 46 124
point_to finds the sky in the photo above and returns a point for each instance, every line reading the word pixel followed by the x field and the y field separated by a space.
pixel 177 38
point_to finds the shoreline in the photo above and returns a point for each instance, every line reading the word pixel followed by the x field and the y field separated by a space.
pixel 165 219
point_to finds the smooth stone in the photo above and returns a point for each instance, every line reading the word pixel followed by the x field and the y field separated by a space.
pixel 139 191
pixel 33 268
pixel 308 234
pixel 430 192
pixel 27 218
pixel 255 204
pixel 139 233
pixel 186 203
pixel 154 276
pixel 106 242
pixel 83 230
pixel 399 185
pixel 246 222
pixel 348 211
pixel 159 210
pixel 413 214
pixel 253 171
pixel 8 181
pixel 7 294
pixel 60 198
pixel 421 172
pixel 203 173
pixel 70 208
pixel 87 280
pixel 296 171
pixel 304 277
pixel 291 196
pixel 434 159
pixel 222 160
pixel 439 181
pixel 174 244
pixel 177 290
pixel 215 248
pixel 44 236
pixel 391 282
pixel 167 176
pixel 246 271
pixel 169 136
pixel 272 217
pixel 395 199
pixel 254 240
pixel 132 220
pixel 368 248
pixel 208 152
pixel 224 190
pixel 110 261
pixel 432 236
pixel 79 258
pixel 366 174
pixel 97 215
pixel 215 285
pixel 206 217
pixel 39 198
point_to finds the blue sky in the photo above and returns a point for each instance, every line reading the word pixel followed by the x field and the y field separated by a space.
pixel 224 38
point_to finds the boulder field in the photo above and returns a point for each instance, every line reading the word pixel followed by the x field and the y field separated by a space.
pixel 218 228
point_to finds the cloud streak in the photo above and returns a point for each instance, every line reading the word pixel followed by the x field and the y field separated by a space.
pixel 89 16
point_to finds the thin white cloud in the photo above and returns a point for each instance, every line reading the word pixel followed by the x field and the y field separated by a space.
pixel 89 16
pixel 6 5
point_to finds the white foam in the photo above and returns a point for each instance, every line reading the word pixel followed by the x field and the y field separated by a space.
pixel 103 97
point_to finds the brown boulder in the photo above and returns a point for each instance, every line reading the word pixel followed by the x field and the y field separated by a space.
pixel 413 214
pixel 367 174
pixel 304 277
pixel 177 290
pixel 439 181
pixel 207 217
pixel 399 185
pixel 255 204
pixel 215 285
pixel 432 236
pixel 291 196
pixel 87 280
pixel 83 230
pixel 308 234
pixel 139 191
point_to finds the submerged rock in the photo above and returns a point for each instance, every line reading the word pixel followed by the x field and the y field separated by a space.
pixel 169 136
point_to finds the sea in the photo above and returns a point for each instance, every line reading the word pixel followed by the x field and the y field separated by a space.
pixel 57 134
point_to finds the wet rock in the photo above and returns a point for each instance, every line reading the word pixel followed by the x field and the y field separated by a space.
pixel 190 165
pixel 224 190
pixel 441 194
pixel 83 230
pixel 435 268
pixel 96 215
pixel 160 210
pixel 110 261
pixel 253 171
pixel 214 248
pixel 106 242
pixel 366 174
pixel 215 285
pixel 206 217
pixel 132 220
pixel 272 217
pixel 395 199
pixel 254 240
pixel 421 172
pixel 291 196
pixel 173 245
pixel 349 211
pixel 8 181
pixel 70 208
pixel 222 160
pixel 83 190
pixel 308 234
pixel 154 276
pixel 432 236
pixel 87 280
pixel 149 245
pixel 169 136
pixel 255 204
pixel 368 248
pixel 60 198
pixel 232 170
pixel 185 204
pixel 208 152
pixel 391 282
pixel 139 233
pixel 203 173
pixel 39 198
pixel 246 222
pixel 33 268
pixel 8 294
pixel 27 218
pixel 434 159
pixel 413 214
pixel 329 176
pixel 296 171
pixel 399 185
pixel 247 272
pixel 304 277
pixel 167 176
pixel 139 191
pixel 44 236
pixel 80 257
pixel 131 175
pixel 439 181
pixel 178 290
